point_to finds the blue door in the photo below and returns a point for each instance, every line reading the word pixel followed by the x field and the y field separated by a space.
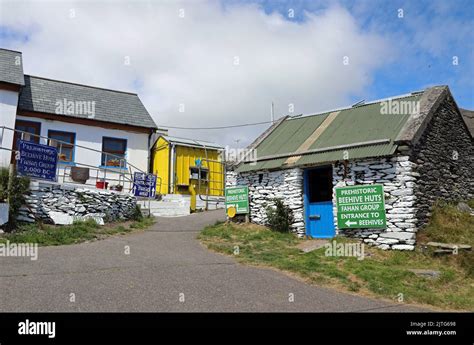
pixel 319 219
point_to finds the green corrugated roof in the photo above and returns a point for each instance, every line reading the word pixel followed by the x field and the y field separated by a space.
pixel 357 125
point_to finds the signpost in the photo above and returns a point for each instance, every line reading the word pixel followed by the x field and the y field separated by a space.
pixel 238 198
pixel 37 161
pixel 144 185
pixel 360 207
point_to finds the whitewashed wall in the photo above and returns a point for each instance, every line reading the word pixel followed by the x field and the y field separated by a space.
pixel 91 137
pixel 398 178
pixel 8 104
pixel 264 186
pixel 396 174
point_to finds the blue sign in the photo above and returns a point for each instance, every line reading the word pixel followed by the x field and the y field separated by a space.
pixel 37 161
pixel 144 185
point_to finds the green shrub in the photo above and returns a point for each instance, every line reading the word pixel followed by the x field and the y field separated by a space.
pixel 13 189
pixel 4 178
pixel 136 214
pixel 279 216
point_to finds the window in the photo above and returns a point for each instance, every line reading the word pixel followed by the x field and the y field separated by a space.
pixel 24 131
pixel 64 142
pixel 114 152
pixel 194 173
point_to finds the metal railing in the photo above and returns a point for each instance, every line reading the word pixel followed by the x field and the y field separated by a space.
pixel 213 194
pixel 122 174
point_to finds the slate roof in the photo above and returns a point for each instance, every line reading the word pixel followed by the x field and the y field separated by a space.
pixel 11 67
pixel 355 132
pixel 468 116
pixel 41 95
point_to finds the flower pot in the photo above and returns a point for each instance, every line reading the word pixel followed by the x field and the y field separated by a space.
pixel 101 185
pixel 79 174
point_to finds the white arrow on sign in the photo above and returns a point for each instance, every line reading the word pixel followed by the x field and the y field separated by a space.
pixel 349 223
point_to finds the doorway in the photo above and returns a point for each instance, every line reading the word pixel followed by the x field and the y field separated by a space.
pixel 318 203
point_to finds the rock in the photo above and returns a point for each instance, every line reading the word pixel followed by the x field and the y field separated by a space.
pixel 398 235
pixel 403 247
pixel 463 207
pixel 425 273
pixel 402 192
pixel 386 240
pixel 451 246
pixel 60 218
pixel 26 219
pixel 381 166
pixel 80 209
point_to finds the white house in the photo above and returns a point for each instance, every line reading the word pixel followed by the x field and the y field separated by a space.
pixel 106 131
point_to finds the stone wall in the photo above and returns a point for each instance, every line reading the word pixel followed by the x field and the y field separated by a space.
pixel 398 177
pixel 445 160
pixel 230 178
pixel 395 174
pixel 61 204
pixel 267 185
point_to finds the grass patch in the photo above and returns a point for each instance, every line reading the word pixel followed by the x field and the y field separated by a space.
pixel 448 225
pixel 50 235
pixel 382 273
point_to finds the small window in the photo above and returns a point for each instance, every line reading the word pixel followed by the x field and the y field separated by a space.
pixel 195 173
pixel 114 152
pixel 25 130
pixel 64 142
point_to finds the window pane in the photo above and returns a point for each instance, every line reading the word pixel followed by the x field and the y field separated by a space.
pixel 62 137
pixel 28 127
pixel 65 151
pixel 114 146
pixel 117 149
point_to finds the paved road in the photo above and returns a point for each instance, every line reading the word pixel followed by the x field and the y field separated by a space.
pixel 164 264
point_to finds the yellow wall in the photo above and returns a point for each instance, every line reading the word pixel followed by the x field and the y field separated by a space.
pixel 186 158
pixel 161 154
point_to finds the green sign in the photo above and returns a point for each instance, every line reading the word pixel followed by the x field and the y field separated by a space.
pixel 237 197
pixel 360 207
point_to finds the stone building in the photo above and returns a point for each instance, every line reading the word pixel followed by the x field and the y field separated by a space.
pixel 417 146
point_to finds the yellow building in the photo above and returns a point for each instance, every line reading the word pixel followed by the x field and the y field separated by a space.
pixel 186 164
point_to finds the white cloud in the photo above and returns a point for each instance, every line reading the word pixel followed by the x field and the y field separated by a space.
pixel 190 60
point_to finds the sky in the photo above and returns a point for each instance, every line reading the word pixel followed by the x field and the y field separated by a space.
pixel 206 64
